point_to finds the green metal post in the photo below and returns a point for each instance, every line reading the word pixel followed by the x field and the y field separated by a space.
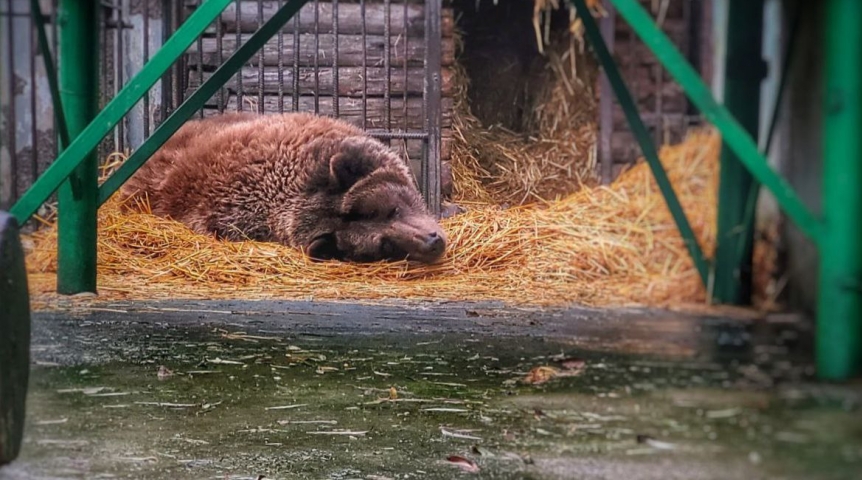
pixel 732 132
pixel 745 70
pixel 76 251
pixel 116 109
pixel 839 312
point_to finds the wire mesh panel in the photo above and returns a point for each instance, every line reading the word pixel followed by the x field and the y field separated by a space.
pixel 369 62
pixel 366 62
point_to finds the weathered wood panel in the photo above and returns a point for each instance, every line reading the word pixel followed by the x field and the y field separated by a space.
pixel 349 109
pixel 349 19
pixel 350 51
pixel 349 81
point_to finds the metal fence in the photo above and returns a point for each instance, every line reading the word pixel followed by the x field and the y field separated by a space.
pixel 367 62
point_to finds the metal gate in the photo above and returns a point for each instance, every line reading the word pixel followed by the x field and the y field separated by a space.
pixel 368 62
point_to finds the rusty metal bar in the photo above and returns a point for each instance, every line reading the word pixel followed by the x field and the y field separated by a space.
pixel 281 63
pixel 606 101
pixel 316 56
pixel 296 25
pixel 239 87
pixel 406 56
pixel 434 112
pixel 11 127
pixel 335 57
pixel 387 115
pixel 145 11
pixel 221 100
pixel 119 142
pixel 260 66
pixel 200 59
pixel 34 126
pixel 364 67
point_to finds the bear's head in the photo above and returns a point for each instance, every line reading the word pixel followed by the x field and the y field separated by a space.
pixel 374 210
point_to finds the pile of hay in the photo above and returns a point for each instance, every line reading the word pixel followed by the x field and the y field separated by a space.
pixel 612 245
pixel 554 158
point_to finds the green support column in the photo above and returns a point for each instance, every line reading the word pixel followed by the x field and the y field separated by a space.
pixel 78 57
pixel 745 70
pixel 839 312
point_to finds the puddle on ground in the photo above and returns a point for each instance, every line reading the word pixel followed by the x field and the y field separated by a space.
pixel 221 403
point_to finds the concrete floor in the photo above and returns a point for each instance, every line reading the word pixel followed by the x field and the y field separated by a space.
pixel 342 391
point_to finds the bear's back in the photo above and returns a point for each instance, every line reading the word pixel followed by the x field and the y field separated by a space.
pixel 228 170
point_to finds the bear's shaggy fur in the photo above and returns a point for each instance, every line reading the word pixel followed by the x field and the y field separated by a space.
pixel 307 181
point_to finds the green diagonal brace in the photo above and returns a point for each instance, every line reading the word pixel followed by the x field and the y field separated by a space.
pixel 644 140
pixel 198 98
pixel 732 132
pixel 137 87
pixel 50 72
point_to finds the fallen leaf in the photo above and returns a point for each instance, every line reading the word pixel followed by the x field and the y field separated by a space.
pixel 164 372
pixel 464 463
pixel 540 375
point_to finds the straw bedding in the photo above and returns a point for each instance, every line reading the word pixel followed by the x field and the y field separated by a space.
pixel 563 240
pixel 600 246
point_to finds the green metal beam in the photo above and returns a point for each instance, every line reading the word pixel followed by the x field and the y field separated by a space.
pixel 50 72
pixel 644 139
pixel 198 98
pixel 76 222
pixel 733 134
pixel 131 93
pixel 745 70
pixel 839 312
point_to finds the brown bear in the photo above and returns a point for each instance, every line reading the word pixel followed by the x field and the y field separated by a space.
pixel 302 180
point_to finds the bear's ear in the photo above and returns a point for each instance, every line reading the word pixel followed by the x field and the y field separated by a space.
pixel 324 247
pixel 350 165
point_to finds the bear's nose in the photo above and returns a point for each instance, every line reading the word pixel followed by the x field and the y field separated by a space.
pixel 435 242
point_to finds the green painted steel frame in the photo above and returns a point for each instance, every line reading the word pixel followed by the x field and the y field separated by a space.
pixel 838 236
pixel 79 87
pixel 119 106
pixel 644 140
pixel 733 134
pixel 167 128
pixel 839 308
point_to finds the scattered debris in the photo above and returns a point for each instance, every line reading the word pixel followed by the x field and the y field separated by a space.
pixel 464 463
pixel 656 444
pixel 287 407
pixel 219 361
pixel 52 422
pixel 540 375
pixel 353 433
pixel 164 372
pixel 168 404
pixel 458 434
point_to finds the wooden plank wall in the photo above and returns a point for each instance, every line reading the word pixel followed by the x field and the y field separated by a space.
pixel 661 101
pixel 297 66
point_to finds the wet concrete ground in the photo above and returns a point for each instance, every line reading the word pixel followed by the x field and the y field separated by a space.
pixel 426 391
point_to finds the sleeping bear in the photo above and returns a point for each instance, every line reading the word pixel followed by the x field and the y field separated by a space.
pixel 307 181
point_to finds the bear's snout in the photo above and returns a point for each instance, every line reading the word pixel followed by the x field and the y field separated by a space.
pixel 435 243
